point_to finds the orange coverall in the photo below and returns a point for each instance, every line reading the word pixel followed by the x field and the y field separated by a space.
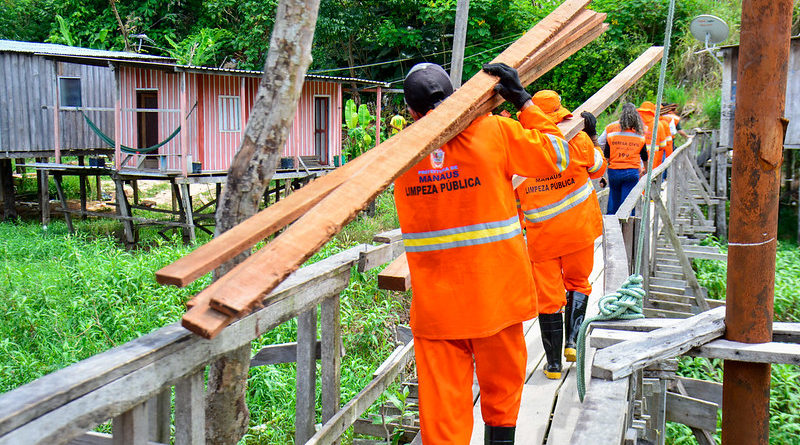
pixel 663 136
pixel 469 269
pixel 563 218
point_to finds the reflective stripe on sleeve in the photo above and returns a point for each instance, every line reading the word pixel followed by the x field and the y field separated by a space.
pixel 462 236
pixel 561 148
pixel 551 210
pixel 598 161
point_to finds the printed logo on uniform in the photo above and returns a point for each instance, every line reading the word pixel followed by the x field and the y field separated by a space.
pixel 437 158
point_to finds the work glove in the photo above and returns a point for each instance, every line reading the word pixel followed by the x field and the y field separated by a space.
pixel 589 123
pixel 509 87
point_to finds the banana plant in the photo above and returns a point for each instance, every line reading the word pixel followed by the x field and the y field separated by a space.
pixel 358 123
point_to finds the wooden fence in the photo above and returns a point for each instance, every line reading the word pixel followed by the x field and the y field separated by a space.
pixel 132 384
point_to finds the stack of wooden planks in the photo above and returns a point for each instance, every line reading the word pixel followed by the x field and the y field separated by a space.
pixel 327 204
pixel 396 275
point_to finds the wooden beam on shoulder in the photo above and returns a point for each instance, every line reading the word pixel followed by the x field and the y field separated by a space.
pixel 244 287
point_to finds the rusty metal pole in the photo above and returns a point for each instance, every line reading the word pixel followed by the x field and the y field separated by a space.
pixel 757 157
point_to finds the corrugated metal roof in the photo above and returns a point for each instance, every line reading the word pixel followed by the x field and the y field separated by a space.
pixel 63 50
pixel 150 60
pixel 254 73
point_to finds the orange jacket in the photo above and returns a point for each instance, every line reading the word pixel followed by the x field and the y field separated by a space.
pixel 469 267
pixel 661 155
pixel 562 214
pixel 648 113
pixel 624 147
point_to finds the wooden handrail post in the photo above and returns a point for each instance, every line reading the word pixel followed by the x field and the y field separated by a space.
pixel 305 411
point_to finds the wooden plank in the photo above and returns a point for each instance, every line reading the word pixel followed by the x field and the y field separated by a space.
pixel 396 275
pixel 67 402
pixel 691 412
pixel 95 438
pixel 281 353
pixel 306 383
pixel 190 410
pixel 256 228
pixel 699 389
pixel 388 237
pixel 663 313
pixel 130 427
pixel 670 306
pixel 676 245
pixel 159 410
pixel 786 332
pixel 331 366
pixel 246 285
pixel 622 359
pixel 603 418
pixel 704 437
pixel 374 256
pixel 772 352
pixel 333 429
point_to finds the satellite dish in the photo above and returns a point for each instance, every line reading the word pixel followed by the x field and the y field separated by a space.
pixel 709 29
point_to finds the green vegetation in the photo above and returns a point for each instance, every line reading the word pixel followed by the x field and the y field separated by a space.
pixel 68 297
pixel 785 387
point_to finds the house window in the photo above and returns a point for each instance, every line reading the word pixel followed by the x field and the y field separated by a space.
pixel 70 91
pixel 230 116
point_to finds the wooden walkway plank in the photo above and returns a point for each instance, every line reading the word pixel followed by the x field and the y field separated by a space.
pixel 621 360
pixel 246 285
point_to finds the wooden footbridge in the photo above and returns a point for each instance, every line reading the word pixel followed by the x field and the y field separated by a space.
pixel 152 389
pixel 132 385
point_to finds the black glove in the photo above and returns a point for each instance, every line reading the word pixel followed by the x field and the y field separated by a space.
pixel 509 86
pixel 603 183
pixel 589 123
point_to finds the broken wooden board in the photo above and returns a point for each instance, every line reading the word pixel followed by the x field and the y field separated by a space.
pixel 772 352
pixel 395 276
pixel 622 359
pixel 244 288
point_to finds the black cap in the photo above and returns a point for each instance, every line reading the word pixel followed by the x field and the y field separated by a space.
pixel 425 86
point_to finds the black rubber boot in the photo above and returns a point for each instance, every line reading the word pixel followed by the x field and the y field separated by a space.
pixel 499 435
pixel 574 313
pixel 552 333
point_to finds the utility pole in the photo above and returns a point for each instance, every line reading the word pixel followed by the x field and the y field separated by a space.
pixel 459 41
pixel 755 185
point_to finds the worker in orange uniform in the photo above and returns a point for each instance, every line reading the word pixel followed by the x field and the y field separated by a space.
pixel 563 219
pixel 469 269
pixel 663 137
pixel 623 143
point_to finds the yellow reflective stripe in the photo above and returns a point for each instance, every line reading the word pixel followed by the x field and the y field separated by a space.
pixel 562 153
pixel 598 161
pixel 571 200
pixel 473 235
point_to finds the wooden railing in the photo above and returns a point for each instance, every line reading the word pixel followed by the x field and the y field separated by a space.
pixel 131 384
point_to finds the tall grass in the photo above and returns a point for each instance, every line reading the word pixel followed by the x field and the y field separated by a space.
pixel 68 297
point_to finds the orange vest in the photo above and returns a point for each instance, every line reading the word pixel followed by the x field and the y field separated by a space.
pixel 666 150
pixel 663 136
pixel 470 271
pixel 624 147
pixel 562 214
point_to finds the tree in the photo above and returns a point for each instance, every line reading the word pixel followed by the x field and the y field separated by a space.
pixel 251 170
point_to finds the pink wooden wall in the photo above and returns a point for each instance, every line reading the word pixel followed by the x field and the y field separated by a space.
pixel 215 148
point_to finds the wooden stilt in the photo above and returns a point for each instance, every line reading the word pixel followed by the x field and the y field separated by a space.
pixel 82 180
pixel 124 209
pixel 58 180
pixel 44 193
pixel 186 199
pixel 7 189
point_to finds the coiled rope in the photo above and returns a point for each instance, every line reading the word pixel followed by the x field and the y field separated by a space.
pixel 626 303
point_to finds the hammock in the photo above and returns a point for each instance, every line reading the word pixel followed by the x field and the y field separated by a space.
pixel 125 148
